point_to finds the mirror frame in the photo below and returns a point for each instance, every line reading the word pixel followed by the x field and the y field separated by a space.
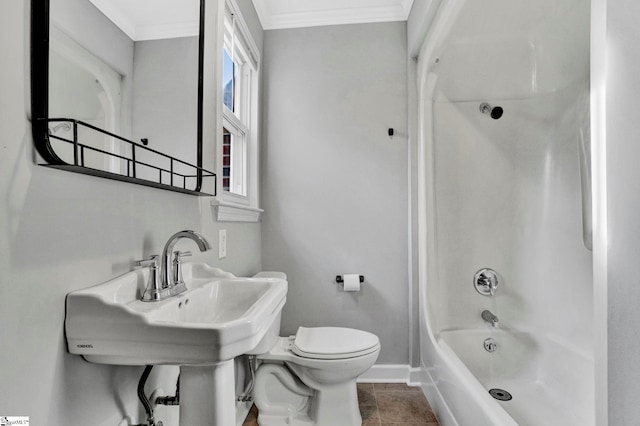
pixel 40 12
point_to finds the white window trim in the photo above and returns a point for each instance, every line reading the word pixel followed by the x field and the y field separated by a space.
pixel 231 207
pixel 230 212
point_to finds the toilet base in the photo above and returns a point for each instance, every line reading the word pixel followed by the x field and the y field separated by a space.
pixel 337 405
pixel 328 411
pixel 296 404
pixel 266 420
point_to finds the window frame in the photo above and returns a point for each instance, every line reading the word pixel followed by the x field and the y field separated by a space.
pixel 243 122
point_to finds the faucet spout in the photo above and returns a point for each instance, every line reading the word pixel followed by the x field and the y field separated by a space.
pixel 168 280
pixel 489 317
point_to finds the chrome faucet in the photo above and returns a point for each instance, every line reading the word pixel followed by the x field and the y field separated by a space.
pixel 486 281
pixel 489 317
pixel 171 272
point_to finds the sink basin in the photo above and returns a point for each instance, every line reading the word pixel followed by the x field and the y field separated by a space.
pixel 219 317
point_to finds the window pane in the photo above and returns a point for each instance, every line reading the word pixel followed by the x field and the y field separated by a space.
pixel 229 81
pixel 226 159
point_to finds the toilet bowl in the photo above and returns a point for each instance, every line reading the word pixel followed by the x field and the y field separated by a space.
pixel 310 378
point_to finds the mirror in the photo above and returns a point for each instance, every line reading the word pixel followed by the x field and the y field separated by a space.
pixel 117 89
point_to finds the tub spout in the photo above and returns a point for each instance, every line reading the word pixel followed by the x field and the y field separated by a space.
pixel 489 317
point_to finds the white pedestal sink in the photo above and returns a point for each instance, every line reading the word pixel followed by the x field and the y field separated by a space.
pixel 218 318
pixel 205 397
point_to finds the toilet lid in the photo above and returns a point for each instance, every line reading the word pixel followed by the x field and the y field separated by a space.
pixel 333 342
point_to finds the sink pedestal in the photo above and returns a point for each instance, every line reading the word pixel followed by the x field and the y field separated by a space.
pixel 207 395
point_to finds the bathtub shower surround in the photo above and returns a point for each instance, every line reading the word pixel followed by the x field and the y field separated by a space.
pixel 504 107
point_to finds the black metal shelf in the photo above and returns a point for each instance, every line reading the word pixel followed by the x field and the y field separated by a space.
pixel 167 177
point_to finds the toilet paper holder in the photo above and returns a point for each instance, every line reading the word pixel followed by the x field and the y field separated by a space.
pixel 340 280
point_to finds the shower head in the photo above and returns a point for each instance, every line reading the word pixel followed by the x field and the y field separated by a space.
pixel 494 112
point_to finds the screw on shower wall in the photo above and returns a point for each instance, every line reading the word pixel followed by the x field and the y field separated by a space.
pixel 485 108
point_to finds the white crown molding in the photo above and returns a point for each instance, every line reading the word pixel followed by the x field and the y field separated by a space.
pixel 263 15
pixel 174 30
pixel 136 30
pixel 395 10
pixel 111 11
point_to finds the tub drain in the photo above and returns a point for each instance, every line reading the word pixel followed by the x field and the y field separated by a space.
pixel 500 394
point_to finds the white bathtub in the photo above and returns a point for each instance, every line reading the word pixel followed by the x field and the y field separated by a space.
pixel 539 372
pixel 507 194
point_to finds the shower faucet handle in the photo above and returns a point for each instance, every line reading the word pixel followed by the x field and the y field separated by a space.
pixel 486 281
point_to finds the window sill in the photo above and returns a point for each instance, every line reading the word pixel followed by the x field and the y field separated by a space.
pixel 230 212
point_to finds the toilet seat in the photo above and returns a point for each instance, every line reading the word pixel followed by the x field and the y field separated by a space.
pixel 333 343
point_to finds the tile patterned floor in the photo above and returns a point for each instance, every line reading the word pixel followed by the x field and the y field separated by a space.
pixel 386 404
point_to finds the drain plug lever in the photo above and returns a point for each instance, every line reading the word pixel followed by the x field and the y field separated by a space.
pixel 490 345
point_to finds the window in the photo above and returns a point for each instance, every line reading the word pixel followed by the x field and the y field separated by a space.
pixel 228 80
pixel 234 164
pixel 238 152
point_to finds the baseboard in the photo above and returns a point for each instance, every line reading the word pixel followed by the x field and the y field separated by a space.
pixel 412 376
pixel 394 373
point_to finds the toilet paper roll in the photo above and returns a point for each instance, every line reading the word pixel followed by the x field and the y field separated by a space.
pixel 351 282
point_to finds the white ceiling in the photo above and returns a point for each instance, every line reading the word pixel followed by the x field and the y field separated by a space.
pixel 156 19
pixel 276 14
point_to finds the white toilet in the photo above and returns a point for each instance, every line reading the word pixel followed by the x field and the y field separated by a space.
pixel 310 378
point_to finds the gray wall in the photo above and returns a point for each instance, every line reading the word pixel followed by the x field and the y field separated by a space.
pixel 165 96
pixel 62 231
pixel 86 25
pixel 82 21
pixel 334 184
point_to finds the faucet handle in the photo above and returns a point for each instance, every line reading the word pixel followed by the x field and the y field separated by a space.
pixel 153 291
pixel 152 261
pixel 178 282
pixel 486 281
pixel 180 254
